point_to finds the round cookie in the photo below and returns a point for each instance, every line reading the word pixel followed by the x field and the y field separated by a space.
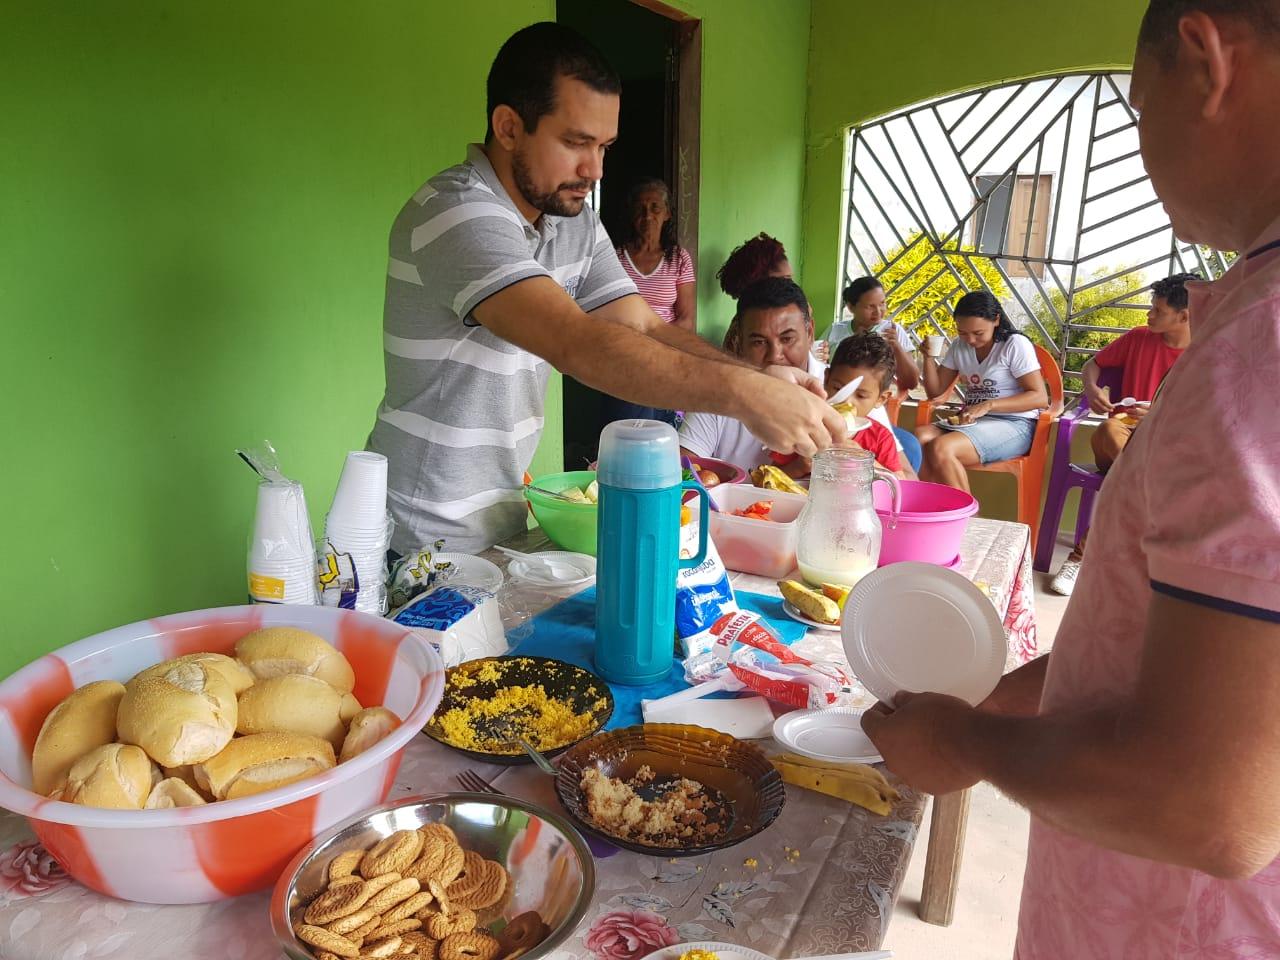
pixel 476 945
pixel 393 854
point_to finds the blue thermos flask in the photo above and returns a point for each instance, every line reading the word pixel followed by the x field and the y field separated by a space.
pixel 638 549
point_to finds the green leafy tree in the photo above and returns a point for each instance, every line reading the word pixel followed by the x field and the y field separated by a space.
pixel 923 283
pixel 1087 308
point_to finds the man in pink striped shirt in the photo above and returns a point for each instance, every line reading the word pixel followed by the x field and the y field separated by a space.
pixel 1147 744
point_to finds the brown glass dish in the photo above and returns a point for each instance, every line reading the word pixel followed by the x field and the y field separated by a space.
pixel 580 689
pixel 735 772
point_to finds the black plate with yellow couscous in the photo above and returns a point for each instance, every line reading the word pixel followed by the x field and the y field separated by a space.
pixel 489 703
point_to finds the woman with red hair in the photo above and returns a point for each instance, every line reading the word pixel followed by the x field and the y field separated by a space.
pixel 761 256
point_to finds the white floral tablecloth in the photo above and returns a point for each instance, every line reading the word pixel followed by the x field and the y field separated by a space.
pixel 822 879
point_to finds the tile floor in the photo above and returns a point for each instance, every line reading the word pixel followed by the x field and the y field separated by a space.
pixel 995 852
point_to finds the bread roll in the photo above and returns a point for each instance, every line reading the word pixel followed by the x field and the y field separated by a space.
pixel 187 774
pixel 294 703
pixel 184 716
pixel 116 776
pixel 350 707
pixel 238 676
pixel 262 761
pixel 172 792
pixel 367 728
pixel 84 720
pixel 275 651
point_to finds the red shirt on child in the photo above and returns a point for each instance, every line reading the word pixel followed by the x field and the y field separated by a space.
pixel 879 441
pixel 1145 359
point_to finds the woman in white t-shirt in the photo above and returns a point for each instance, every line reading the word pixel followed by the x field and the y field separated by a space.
pixel 866 311
pixel 1004 393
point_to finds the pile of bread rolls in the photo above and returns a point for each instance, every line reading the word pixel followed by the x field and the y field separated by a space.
pixel 207 727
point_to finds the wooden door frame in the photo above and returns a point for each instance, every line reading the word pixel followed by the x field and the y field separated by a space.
pixel 687 160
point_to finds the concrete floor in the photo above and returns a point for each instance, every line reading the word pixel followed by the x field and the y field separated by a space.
pixel 986 915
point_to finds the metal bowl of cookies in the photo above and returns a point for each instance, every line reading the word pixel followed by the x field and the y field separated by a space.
pixel 456 876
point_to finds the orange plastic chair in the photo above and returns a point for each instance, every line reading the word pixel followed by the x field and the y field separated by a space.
pixel 1027 470
pixel 893 405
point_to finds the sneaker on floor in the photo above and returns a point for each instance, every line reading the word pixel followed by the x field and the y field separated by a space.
pixel 1065 581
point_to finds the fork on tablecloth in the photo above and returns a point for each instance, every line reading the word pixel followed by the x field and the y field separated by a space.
pixel 470 780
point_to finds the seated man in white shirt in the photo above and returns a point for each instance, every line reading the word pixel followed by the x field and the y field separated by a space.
pixel 776 327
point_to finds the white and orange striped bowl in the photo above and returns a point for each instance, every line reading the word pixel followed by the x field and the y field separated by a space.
pixel 199 854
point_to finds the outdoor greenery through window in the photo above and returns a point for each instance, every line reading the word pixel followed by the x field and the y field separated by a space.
pixel 1034 190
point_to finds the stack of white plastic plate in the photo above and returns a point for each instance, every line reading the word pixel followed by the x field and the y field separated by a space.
pixel 919 628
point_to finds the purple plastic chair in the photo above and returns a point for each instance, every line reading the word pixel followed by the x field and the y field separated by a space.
pixel 1065 475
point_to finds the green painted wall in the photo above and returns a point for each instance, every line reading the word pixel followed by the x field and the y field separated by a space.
pixel 196 200
pixel 754 92
pixel 870 59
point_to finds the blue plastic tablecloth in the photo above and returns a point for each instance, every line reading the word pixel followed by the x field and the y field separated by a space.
pixel 567 632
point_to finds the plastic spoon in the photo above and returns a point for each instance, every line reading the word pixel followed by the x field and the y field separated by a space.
pixel 554 495
pixel 555 567
pixel 845 392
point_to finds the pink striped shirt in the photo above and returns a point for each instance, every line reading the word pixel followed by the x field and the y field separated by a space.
pixel 659 288
pixel 1191 510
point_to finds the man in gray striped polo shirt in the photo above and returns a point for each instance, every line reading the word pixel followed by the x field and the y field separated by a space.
pixel 498 271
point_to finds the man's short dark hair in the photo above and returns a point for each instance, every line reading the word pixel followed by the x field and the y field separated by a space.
pixel 1173 290
pixel 772 293
pixel 867 351
pixel 523 74
pixel 1159 31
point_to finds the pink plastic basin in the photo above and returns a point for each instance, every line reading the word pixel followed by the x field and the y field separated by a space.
pixel 930 525
pixel 219 850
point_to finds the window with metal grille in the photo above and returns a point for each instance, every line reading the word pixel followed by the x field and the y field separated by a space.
pixel 1034 190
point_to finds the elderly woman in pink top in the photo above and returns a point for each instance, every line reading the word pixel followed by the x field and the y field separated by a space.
pixel 661 269
pixel 1147 744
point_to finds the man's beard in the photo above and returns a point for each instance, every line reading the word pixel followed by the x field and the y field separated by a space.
pixel 552 202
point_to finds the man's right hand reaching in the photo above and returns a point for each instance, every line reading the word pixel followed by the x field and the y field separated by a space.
pixel 786 417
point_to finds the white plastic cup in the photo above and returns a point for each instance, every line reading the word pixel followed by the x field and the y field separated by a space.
pixel 346 538
pixel 281 524
pixel 360 501
pixel 935 345
pixel 296 586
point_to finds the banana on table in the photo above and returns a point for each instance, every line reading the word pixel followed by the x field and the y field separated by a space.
pixel 854 782
pixel 769 477
pixel 812 604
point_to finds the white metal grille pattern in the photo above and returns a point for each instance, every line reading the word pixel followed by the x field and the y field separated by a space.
pixel 1037 184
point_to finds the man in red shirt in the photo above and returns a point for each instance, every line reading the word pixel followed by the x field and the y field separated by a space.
pixel 1143 355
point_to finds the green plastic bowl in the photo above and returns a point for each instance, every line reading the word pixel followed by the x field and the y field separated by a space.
pixel 571 526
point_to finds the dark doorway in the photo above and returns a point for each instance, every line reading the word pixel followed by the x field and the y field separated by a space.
pixel 657 51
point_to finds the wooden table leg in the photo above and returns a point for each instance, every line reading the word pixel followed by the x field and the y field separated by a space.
pixel 942 860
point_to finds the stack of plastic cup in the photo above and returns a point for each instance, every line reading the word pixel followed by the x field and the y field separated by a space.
pixel 282 557
pixel 357 525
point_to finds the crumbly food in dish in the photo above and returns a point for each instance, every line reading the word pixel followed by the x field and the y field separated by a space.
pixel 699 955
pixel 679 815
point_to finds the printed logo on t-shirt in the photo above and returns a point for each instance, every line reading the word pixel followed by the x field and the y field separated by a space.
pixel 571 286
pixel 979 389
